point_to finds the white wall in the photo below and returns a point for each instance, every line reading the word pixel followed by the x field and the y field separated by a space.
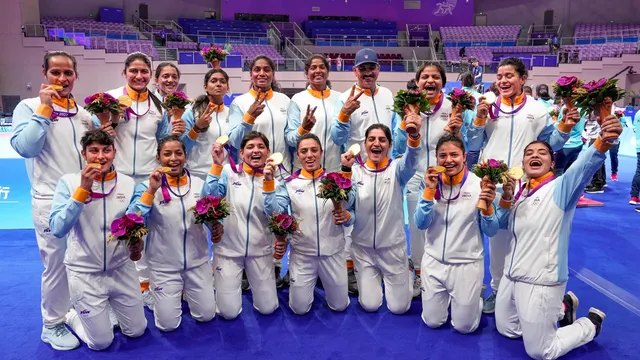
pixel 407 52
pixel 566 12
pixel 158 9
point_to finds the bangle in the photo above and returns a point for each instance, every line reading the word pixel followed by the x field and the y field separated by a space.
pixel 200 130
pixel 345 169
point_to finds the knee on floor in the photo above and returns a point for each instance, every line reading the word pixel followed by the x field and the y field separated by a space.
pixel 538 353
pixel 101 343
pixel 167 324
pixel 398 308
pixel 466 327
pixel 432 321
pixel 266 307
pixel 339 307
pixel 299 309
pixel 369 304
pixel 136 331
pixel 205 315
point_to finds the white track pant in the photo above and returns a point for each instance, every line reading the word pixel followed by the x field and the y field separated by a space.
pixel 346 231
pixel 390 265
pixel 457 284
pixel 498 250
pixel 92 292
pixel 305 270
pixel 228 274
pixel 533 311
pixel 166 289
pixel 416 236
pixel 142 267
pixel 54 286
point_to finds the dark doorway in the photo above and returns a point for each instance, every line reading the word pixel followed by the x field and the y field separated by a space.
pixel 143 11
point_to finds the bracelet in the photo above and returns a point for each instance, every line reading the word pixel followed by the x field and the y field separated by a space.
pixel 345 169
pixel 200 130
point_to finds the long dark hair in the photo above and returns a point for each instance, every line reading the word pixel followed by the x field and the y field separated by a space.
pixel 274 84
pixel 203 100
pixel 385 129
pixel 163 65
pixel 50 54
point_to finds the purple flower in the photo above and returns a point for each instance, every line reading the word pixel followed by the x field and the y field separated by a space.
pixel 202 206
pixel 137 219
pixel 333 177
pixel 494 163
pixel 566 80
pixel 286 223
pixel 344 183
pixel 594 85
pixel 214 200
pixel 118 227
pixel 458 92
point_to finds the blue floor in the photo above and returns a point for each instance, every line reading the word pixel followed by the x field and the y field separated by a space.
pixel 605 250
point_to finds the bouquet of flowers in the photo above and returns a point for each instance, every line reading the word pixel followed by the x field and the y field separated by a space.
pixel 460 101
pixel 565 87
pixel 411 101
pixel 103 106
pixel 177 103
pixel 599 96
pixel 130 228
pixel 335 187
pixel 495 170
pixel 281 225
pixel 214 55
pixel 554 113
pixel 210 210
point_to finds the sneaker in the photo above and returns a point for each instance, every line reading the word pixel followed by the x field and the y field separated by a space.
pixel 59 337
pixel 597 317
pixel 147 299
pixel 286 279
pixel 614 177
pixel 594 190
pixel 245 282
pixel 634 201
pixel 113 319
pixel 279 282
pixel 352 282
pixel 571 303
pixel 638 209
pixel 489 306
pixel 417 287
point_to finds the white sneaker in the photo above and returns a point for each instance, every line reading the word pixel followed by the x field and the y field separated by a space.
pixel 113 319
pixel 59 337
pixel 417 287
pixel 147 299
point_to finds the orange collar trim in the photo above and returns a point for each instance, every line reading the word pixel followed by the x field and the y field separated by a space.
pixel 436 99
pixel 319 94
pixel 367 91
pixel 108 177
pixel 177 181
pixel 215 107
pixel 255 93
pixel 536 181
pixel 65 103
pixel 309 175
pixel 457 179
pixel 382 164
pixel 137 96
pixel 250 171
pixel 518 100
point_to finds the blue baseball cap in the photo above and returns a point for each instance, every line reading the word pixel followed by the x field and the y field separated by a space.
pixel 366 56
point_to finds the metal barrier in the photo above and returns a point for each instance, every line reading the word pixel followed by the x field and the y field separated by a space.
pixel 74 33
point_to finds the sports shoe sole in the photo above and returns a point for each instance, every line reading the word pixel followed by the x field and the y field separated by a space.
pixel 576 303
pixel 598 312
pixel 56 347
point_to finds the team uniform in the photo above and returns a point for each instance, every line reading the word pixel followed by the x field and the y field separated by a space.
pixel 317 250
pixel 136 143
pixel 177 251
pixel 51 148
pixel 271 122
pixel 245 245
pixel 505 138
pixel 432 130
pixel 453 260
pixel 529 302
pixel 199 154
pixel 325 103
pixel 569 153
pixel 99 270
pixel 379 246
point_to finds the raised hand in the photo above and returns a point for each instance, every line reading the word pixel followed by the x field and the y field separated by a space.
pixel 178 127
pixel 205 118
pixel 340 216
pixel 570 117
pixel 217 153
pixel 431 178
pixel 108 128
pixel 483 109
pixel 269 170
pixel 47 93
pixel 87 175
pixel 488 192
pixel 352 104
pixel 455 123
pixel 217 230
pixel 508 189
pixel 257 107
pixel 309 120
pixel 611 124
pixel 413 120
pixel 155 181
pixel 347 159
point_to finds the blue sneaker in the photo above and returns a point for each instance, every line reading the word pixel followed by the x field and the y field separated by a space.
pixel 59 337
pixel 489 306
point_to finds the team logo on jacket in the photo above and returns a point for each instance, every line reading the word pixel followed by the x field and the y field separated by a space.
pixel 237 184
pixel 85 312
pixel 196 196
pixel 536 201
pixel 530 117
pixel 121 198
pixel 388 108
pixel 163 202
pixel 283 111
pixel 466 195
pixel 387 181
pixel 444 116
pixel 158 289
pixel 219 269
pixel 300 191
pixel 360 183
pixel 363 113
pixel 47 231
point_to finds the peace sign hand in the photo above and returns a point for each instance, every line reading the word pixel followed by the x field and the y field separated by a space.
pixel 205 118
pixel 257 107
pixel 352 104
pixel 309 120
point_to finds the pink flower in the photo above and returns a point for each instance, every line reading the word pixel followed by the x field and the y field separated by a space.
pixel 202 206
pixel 287 222
pixel 458 92
pixel 344 183
pixel 137 219
pixel 118 227
pixel 494 163
pixel 214 200
pixel 594 85
pixel 567 80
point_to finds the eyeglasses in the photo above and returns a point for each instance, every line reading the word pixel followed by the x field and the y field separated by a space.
pixel 365 67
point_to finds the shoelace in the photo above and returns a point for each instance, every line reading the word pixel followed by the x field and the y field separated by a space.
pixel 60 330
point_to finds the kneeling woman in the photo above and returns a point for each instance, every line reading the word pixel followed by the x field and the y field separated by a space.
pixel 453 260
pixel 379 246
pixel 177 248
pixel 100 272
pixel 317 250
pixel 531 299
pixel 245 245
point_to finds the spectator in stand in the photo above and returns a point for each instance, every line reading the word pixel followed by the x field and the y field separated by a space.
pixel 227 46
pixel 436 44
pixel 339 63
pixel 635 184
pixel 463 52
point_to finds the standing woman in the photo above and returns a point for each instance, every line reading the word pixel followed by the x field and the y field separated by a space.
pixel 317 250
pixel 246 244
pixel 177 248
pixel 263 109
pixel 502 131
pixel 430 77
pixel 46 131
pixel 311 111
pixel 379 247
pixel 531 299
pixel 167 78
pixel 137 134
pixel 208 119
pixel 453 260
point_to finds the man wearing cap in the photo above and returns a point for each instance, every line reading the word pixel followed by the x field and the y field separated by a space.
pixel 365 104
